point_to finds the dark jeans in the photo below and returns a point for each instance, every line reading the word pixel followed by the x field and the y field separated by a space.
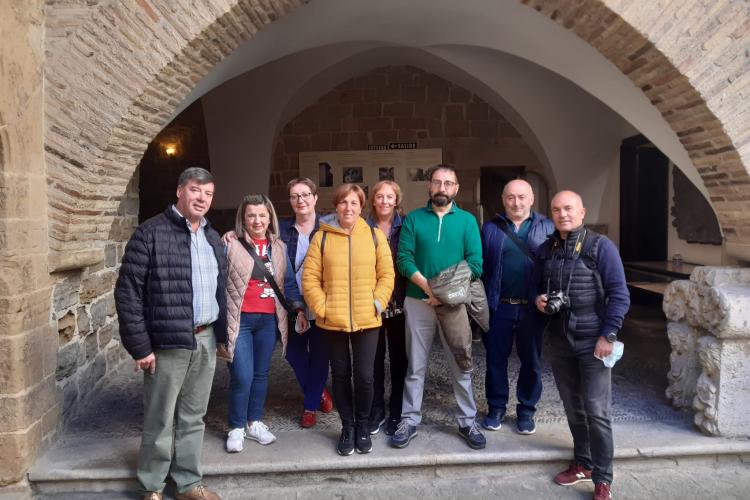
pixel 249 369
pixel 585 387
pixel 308 356
pixel 394 331
pixel 352 408
pixel 507 322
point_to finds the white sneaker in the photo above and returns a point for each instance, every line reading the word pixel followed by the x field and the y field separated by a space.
pixel 235 440
pixel 259 431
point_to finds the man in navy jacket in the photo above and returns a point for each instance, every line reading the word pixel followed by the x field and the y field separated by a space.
pixel 508 274
pixel 583 289
pixel 172 312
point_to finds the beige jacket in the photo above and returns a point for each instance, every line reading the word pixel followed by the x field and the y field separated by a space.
pixel 239 269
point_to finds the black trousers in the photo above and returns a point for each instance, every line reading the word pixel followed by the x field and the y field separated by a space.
pixel 394 332
pixel 353 406
pixel 585 387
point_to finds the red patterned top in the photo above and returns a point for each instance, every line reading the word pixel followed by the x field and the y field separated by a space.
pixel 259 296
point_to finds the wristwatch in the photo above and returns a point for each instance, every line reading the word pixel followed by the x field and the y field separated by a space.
pixel 611 337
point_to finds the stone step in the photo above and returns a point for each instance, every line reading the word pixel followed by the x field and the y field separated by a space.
pixel 304 464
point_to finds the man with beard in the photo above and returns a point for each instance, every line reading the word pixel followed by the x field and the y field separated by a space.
pixel 434 238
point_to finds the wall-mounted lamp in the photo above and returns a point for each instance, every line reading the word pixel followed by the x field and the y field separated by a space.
pixel 170 149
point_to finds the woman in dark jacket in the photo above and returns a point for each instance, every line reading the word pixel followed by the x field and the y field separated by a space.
pixel 385 214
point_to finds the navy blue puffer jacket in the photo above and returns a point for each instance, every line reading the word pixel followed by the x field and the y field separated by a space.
pixel 154 294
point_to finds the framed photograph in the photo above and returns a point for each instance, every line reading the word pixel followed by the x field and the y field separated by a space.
pixel 325 174
pixel 385 174
pixel 353 175
pixel 415 174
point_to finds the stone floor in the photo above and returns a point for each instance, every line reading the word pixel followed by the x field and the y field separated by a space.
pixel 639 381
pixel 658 452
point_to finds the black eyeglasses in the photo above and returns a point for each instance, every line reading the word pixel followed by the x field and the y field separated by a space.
pixel 437 183
pixel 296 197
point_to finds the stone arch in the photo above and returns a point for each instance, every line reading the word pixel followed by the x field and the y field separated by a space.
pixel 93 142
pixel 659 56
pixel 124 92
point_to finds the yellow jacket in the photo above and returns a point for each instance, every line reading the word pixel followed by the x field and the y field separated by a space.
pixel 351 285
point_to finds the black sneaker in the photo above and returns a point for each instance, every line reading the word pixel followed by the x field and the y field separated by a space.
pixel 473 436
pixel 377 418
pixel 346 442
pixel 404 433
pixel 390 426
pixel 362 441
pixel 526 425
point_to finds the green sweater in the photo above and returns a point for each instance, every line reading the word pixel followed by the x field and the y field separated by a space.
pixel 430 244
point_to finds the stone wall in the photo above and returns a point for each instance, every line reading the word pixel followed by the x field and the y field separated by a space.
pixel 401 104
pixel 83 307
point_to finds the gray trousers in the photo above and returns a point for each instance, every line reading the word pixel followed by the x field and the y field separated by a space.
pixel 175 400
pixel 421 323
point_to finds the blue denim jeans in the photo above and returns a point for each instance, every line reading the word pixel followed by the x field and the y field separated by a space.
pixel 308 356
pixel 249 370
pixel 507 322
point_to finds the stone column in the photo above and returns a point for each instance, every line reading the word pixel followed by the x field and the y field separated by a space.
pixel 29 408
pixel 709 331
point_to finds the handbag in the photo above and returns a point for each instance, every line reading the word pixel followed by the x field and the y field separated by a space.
pixel 269 278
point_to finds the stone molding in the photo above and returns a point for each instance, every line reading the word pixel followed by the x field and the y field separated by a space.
pixel 709 331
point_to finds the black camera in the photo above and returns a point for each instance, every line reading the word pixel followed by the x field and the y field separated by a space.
pixel 556 301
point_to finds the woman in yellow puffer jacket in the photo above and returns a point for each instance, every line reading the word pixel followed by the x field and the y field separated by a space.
pixel 347 281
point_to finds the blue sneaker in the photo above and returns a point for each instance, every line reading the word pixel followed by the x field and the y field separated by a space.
pixel 404 433
pixel 526 425
pixel 494 420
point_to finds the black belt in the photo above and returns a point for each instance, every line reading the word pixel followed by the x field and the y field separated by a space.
pixel 515 302
pixel 200 328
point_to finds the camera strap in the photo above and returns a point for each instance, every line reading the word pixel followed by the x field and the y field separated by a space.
pixel 577 249
pixel 513 236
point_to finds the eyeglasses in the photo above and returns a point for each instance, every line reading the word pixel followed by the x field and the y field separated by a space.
pixel 297 197
pixel 437 183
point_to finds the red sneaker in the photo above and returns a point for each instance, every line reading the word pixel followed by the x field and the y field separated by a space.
pixel 575 473
pixel 308 419
pixel 601 492
pixel 326 401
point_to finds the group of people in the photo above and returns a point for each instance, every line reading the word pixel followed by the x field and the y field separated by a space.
pixel 342 290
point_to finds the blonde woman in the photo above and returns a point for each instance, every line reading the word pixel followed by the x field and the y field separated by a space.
pixel 385 214
pixel 257 261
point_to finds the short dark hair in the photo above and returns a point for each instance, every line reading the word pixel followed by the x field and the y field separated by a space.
pixel 450 168
pixel 197 174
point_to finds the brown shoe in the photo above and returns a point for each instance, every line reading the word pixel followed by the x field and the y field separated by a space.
pixel 575 473
pixel 601 492
pixel 200 492
pixel 152 495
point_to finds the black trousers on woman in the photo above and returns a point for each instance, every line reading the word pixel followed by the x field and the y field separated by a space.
pixel 394 330
pixel 353 404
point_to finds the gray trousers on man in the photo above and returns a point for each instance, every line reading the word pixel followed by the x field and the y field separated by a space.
pixel 421 323
pixel 175 401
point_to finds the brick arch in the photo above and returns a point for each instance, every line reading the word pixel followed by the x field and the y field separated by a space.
pixel 108 94
pixel 125 92
pixel 669 52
